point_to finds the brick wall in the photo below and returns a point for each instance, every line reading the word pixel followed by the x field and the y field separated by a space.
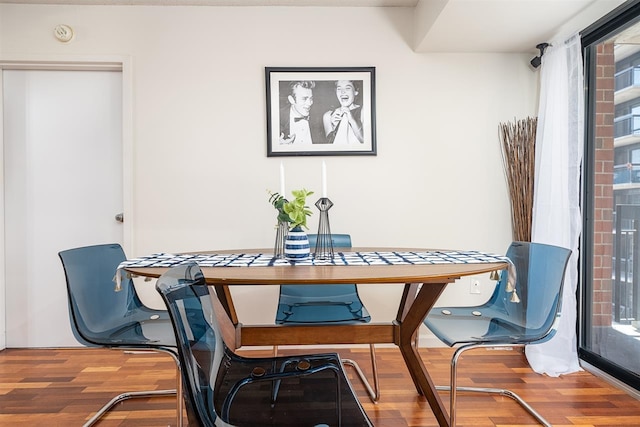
pixel 603 186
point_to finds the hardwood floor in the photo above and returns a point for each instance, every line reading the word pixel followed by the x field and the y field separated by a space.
pixel 64 387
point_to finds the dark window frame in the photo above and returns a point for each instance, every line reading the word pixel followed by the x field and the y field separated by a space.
pixel 619 19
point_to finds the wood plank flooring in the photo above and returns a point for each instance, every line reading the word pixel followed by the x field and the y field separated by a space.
pixel 64 387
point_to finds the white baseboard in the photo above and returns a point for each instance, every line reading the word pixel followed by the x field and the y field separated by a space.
pixel 429 340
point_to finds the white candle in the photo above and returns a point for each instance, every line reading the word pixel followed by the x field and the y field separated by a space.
pixel 282 179
pixel 324 179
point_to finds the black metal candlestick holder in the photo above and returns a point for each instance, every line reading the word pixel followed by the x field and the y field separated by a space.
pixel 324 243
pixel 281 236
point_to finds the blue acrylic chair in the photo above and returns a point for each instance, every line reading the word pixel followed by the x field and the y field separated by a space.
pixel 102 317
pixel 328 303
pixel 514 315
pixel 224 389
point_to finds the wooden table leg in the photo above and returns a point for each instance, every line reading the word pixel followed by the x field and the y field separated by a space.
pixel 224 295
pixel 414 308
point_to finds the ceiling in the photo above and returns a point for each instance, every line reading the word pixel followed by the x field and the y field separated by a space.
pixel 442 25
pixel 321 3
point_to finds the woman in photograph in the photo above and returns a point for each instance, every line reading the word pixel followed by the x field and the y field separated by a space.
pixel 343 125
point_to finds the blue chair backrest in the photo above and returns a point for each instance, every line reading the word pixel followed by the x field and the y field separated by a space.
pixel 310 291
pixel 540 273
pixel 338 240
pixel 198 335
pixel 214 376
pixel 96 310
pixel 323 303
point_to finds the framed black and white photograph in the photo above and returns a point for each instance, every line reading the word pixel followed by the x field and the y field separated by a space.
pixel 324 111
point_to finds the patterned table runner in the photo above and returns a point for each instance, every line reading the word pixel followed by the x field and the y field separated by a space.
pixel 340 258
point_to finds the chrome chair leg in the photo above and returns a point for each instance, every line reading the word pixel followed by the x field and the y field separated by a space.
pixel 179 394
pixel 373 392
pixel 124 396
pixel 454 389
pixel 503 392
pixel 148 393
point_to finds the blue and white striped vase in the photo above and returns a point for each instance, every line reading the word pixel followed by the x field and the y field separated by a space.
pixel 296 246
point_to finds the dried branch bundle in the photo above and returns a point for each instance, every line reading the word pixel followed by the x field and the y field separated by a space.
pixel 518 155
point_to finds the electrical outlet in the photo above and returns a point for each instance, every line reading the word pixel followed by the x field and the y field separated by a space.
pixel 474 286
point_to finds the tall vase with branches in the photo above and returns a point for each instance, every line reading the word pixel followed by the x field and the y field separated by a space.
pixel 518 140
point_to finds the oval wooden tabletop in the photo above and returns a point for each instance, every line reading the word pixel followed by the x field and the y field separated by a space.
pixel 361 274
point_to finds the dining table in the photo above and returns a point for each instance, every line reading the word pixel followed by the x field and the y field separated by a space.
pixel 423 274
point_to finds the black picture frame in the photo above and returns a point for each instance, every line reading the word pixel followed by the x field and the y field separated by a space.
pixel 323 97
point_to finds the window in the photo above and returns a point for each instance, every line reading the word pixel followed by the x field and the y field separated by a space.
pixel 609 330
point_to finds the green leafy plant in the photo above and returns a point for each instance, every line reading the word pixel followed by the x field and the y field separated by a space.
pixel 278 201
pixel 294 212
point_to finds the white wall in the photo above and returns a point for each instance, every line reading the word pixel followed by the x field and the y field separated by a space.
pixel 200 171
pixel 3 298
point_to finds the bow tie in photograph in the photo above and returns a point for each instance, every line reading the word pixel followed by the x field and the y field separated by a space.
pixel 297 119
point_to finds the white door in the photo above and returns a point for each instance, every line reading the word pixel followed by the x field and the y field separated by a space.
pixel 62 186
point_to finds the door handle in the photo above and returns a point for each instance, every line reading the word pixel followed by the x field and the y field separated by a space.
pixel 119 217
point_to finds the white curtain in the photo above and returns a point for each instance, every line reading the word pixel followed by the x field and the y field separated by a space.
pixel 556 211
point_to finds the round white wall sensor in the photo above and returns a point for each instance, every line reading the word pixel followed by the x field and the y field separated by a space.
pixel 64 33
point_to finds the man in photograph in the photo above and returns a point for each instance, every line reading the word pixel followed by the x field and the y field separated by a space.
pixel 296 123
